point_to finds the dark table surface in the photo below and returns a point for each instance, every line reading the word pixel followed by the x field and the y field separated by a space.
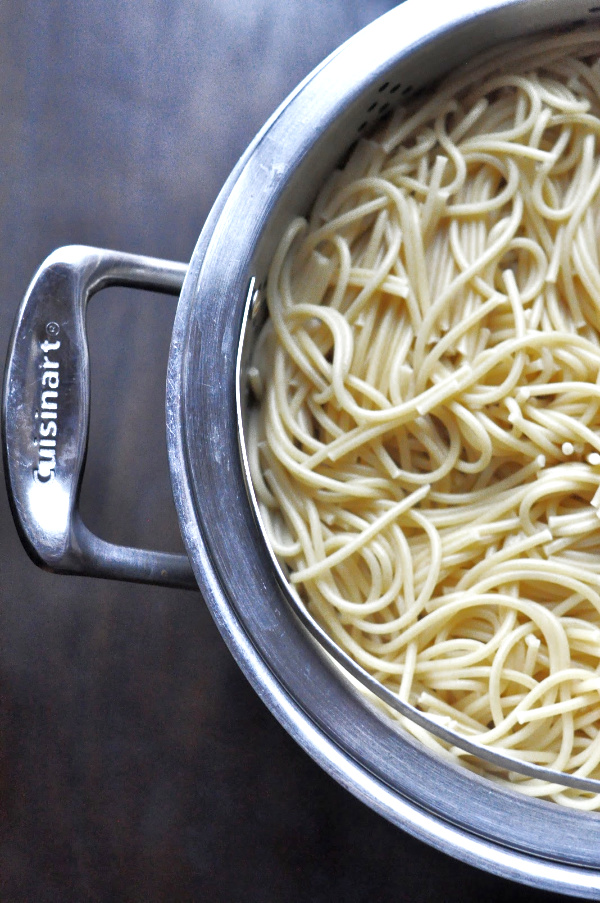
pixel 136 763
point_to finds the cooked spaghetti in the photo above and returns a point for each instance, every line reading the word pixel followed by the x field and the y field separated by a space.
pixel 426 453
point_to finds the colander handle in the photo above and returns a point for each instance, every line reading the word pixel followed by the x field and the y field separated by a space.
pixel 45 415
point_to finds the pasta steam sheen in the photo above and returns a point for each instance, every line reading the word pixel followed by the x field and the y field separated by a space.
pixel 426 453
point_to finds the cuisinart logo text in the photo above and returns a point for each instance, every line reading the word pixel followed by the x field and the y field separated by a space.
pixel 48 411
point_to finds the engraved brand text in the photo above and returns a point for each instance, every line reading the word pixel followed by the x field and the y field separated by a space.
pixel 48 427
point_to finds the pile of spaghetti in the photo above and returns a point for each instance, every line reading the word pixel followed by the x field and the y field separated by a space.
pixel 426 454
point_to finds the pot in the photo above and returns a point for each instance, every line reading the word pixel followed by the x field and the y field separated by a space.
pixel 220 311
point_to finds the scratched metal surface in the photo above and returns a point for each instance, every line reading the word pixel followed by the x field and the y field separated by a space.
pixel 136 764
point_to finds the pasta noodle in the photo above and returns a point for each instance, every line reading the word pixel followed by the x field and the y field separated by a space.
pixel 426 452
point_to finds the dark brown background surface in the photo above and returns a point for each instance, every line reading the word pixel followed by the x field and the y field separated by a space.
pixel 136 764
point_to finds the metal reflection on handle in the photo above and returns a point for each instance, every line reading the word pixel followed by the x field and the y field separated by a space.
pixel 45 415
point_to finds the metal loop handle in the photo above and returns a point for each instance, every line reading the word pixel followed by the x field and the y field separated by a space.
pixel 45 415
